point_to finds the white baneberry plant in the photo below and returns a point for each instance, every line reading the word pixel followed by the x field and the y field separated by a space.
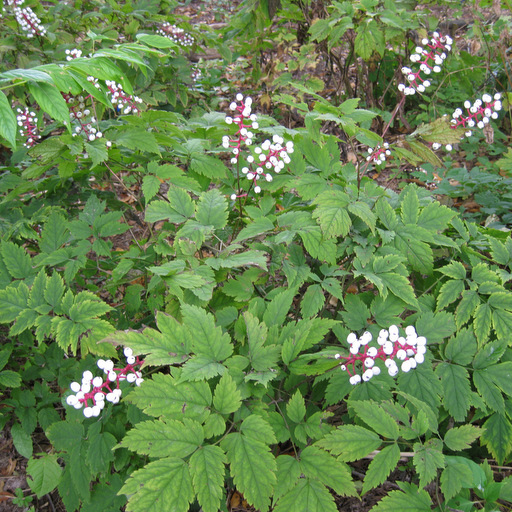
pixel 269 157
pixel 92 392
pixel 124 103
pixel 26 19
pixel 175 34
pixel 395 352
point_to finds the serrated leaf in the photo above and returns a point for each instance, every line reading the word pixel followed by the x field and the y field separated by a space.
pixel 150 186
pixel 369 39
pixel 499 251
pixel 497 436
pixel 8 123
pixel 312 301
pixel 165 438
pixel 50 100
pixel 212 209
pixel 435 217
pixel 227 398
pixel 45 474
pixel 439 130
pixel 208 166
pixel 363 211
pixel 63 435
pixel 436 326
pixel 399 286
pixel 427 459
pixel 100 449
pixel 10 379
pixel 253 468
pixel 21 440
pixel 375 417
pixel 423 384
pixel 278 308
pixel 454 477
pixel 469 302
pixel 164 396
pixel 160 486
pixel 419 254
pixel 350 442
pixel 462 347
pixel 16 260
pixel 255 228
pixel 331 213
pixel 417 500
pixel 502 323
pixel 461 438
pixel 207 470
pixel 318 464
pixel 449 292
pixel 306 496
pixel 137 139
pixel 409 205
pixel 488 390
pixel 482 323
pixel 381 466
pixel 296 407
pixel 457 389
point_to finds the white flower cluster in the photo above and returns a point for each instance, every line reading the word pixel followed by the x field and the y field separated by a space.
pixel 430 56
pixel 81 116
pixel 73 54
pixel 409 351
pixel 27 19
pixel 124 103
pixel 96 390
pixel 27 121
pixel 379 154
pixel 176 34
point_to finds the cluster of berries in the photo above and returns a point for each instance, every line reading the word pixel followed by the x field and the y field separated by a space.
pixel 430 58
pixel 27 19
pixel 95 390
pixel 409 351
pixel 175 34
pixel 27 121
pixel 270 155
pixel 379 154
pixel 123 103
pixel 73 54
pixel 81 116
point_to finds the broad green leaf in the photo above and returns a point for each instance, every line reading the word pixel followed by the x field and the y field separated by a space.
pixel 164 396
pixel 80 473
pixel 435 217
pixel 16 260
pixel 428 458
pixel 499 251
pixel 54 290
pixel 288 472
pixel 296 407
pixel 350 442
pixel 469 302
pixel 316 463
pixel 399 286
pixel 10 379
pixel 255 227
pixel 455 270
pixel 63 435
pixel 502 323
pixel 150 186
pixel 45 474
pixel 212 209
pixel 312 301
pixel 160 486
pixel 462 347
pixel 278 308
pixel 497 436
pixel 449 292
pixel 419 254
pixel 253 468
pixel 208 166
pixel 375 417
pixel 206 338
pixel 22 441
pixel 242 259
pixel 488 390
pixel 423 384
pixel 415 500
pixel 436 326
pixel 256 427
pixel 461 438
pixel 362 210
pixel 202 367
pixel 227 398
pixel 207 471
pixel 8 123
pixel 165 438
pixel 369 39
pixel 156 41
pixel 137 139
pixel 457 389
pixel 356 313
pixel 51 101
pixel 100 449
pixel 386 214
pixel 454 477
pixel 409 205
pixel 306 496
pixel 381 466
pixel 331 213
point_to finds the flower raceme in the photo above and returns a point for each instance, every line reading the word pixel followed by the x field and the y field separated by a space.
pixel 27 19
pixel 270 155
pixel 430 57
pixel 175 34
pixel 409 351
pixel 27 121
pixel 92 392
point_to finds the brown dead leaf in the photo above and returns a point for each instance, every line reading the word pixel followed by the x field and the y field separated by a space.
pixel 6 496
pixel 9 468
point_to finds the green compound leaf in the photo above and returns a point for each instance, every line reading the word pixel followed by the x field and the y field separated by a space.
pixel 375 417
pixel 316 463
pixel 207 470
pixel 381 466
pixel 412 500
pixel 350 442
pixel 498 436
pixel 461 438
pixel 462 347
pixel 253 468
pixel 469 302
pixel 428 458
pixel 160 486
pixel 288 472
pixel 331 213
pixel 457 389
pixel 227 398
pixel 449 292
pixel 45 474
pixel 306 496
pixel 165 438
